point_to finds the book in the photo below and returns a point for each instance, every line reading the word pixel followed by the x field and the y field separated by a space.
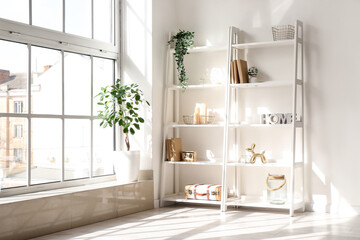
pixel 242 71
pixel 235 74
pixel 231 72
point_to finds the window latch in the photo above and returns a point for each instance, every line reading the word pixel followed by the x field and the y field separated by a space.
pixel 15 33
pixel 64 43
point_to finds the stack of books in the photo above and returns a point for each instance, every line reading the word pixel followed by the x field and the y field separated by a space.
pixel 239 72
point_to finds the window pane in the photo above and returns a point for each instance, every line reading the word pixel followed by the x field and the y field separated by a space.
pixel 103 20
pixel 78 17
pixel 103 76
pixel 16 10
pixel 46 72
pixel 13 155
pixel 77 148
pixel 46 150
pixel 103 145
pixel 77 84
pixel 47 14
pixel 13 77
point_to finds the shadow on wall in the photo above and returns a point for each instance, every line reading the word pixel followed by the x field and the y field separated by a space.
pixel 137 67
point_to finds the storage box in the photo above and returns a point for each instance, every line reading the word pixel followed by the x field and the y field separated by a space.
pixel 203 192
pixel 189 156
pixel 173 149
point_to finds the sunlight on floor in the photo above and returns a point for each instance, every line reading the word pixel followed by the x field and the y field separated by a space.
pixel 188 222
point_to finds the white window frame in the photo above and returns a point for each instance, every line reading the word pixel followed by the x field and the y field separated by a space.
pixel 64 42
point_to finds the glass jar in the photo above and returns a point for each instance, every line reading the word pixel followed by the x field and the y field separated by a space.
pixel 276 189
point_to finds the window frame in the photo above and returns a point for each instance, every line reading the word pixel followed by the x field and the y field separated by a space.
pixel 64 42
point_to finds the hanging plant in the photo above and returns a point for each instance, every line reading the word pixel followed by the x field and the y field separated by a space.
pixel 184 41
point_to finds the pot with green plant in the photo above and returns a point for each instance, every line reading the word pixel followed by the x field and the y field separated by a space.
pixel 253 72
pixel 121 105
pixel 183 42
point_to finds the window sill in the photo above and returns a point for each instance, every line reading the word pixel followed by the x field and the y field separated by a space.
pixel 62 191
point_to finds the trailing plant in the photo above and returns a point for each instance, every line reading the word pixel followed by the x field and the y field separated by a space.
pixel 121 106
pixel 184 41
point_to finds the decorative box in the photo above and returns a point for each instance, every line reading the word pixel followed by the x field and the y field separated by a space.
pixel 189 156
pixel 203 192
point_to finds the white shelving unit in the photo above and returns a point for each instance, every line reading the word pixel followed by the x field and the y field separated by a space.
pixel 231 168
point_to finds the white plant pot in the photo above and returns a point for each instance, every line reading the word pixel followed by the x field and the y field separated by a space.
pixel 253 79
pixel 126 166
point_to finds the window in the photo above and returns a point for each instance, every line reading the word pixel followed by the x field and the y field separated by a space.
pixel 49 129
pixel 18 154
pixel 18 107
pixel 18 131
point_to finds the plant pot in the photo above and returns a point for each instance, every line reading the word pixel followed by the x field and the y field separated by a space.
pixel 253 80
pixel 126 166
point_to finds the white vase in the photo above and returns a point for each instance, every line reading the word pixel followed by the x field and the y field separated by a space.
pixel 126 166
pixel 253 79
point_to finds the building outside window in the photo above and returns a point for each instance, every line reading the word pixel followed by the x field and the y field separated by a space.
pixel 18 107
pixel 18 131
pixel 52 64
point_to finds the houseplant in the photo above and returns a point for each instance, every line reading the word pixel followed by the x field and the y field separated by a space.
pixel 253 72
pixel 121 107
pixel 184 41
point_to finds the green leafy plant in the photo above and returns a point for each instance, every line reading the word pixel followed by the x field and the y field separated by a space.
pixel 184 41
pixel 121 106
pixel 253 71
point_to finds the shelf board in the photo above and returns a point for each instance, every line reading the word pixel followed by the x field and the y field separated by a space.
pixel 267 84
pixel 236 125
pixel 257 202
pixel 180 197
pixel 183 125
pixel 245 201
pixel 264 44
pixel 204 49
pixel 259 164
pixel 203 163
pixel 198 86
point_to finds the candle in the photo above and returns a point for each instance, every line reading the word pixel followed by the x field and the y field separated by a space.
pixel 203 113
pixel 197 113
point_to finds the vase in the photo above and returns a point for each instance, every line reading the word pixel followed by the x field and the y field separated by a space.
pixel 253 79
pixel 126 166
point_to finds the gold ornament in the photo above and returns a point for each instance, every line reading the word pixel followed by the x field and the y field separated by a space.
pixel 255 155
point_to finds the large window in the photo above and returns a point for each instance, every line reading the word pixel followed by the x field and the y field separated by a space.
pixel 49 130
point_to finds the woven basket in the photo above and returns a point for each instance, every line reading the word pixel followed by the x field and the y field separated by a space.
pixel 189 119
pixel 283 32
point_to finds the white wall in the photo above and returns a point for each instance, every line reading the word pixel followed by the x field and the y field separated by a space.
pixel 163 23
pixel 331 44
pixel 137 67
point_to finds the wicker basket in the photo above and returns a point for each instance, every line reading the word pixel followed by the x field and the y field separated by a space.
pixel 189 119
pixel 283 32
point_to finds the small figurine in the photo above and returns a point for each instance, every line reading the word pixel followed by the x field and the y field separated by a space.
pixel 255 155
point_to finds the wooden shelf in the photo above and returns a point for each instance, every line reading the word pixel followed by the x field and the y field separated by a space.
pixel 199 49
pixel 264 44
pixel 267 84
pixel 199 86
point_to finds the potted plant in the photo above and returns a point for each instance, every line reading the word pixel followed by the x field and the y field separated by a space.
pixel 253 72
pixel 121 107
pixel 184 41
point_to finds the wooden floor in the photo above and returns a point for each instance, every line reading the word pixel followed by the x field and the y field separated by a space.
pixel 194 222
